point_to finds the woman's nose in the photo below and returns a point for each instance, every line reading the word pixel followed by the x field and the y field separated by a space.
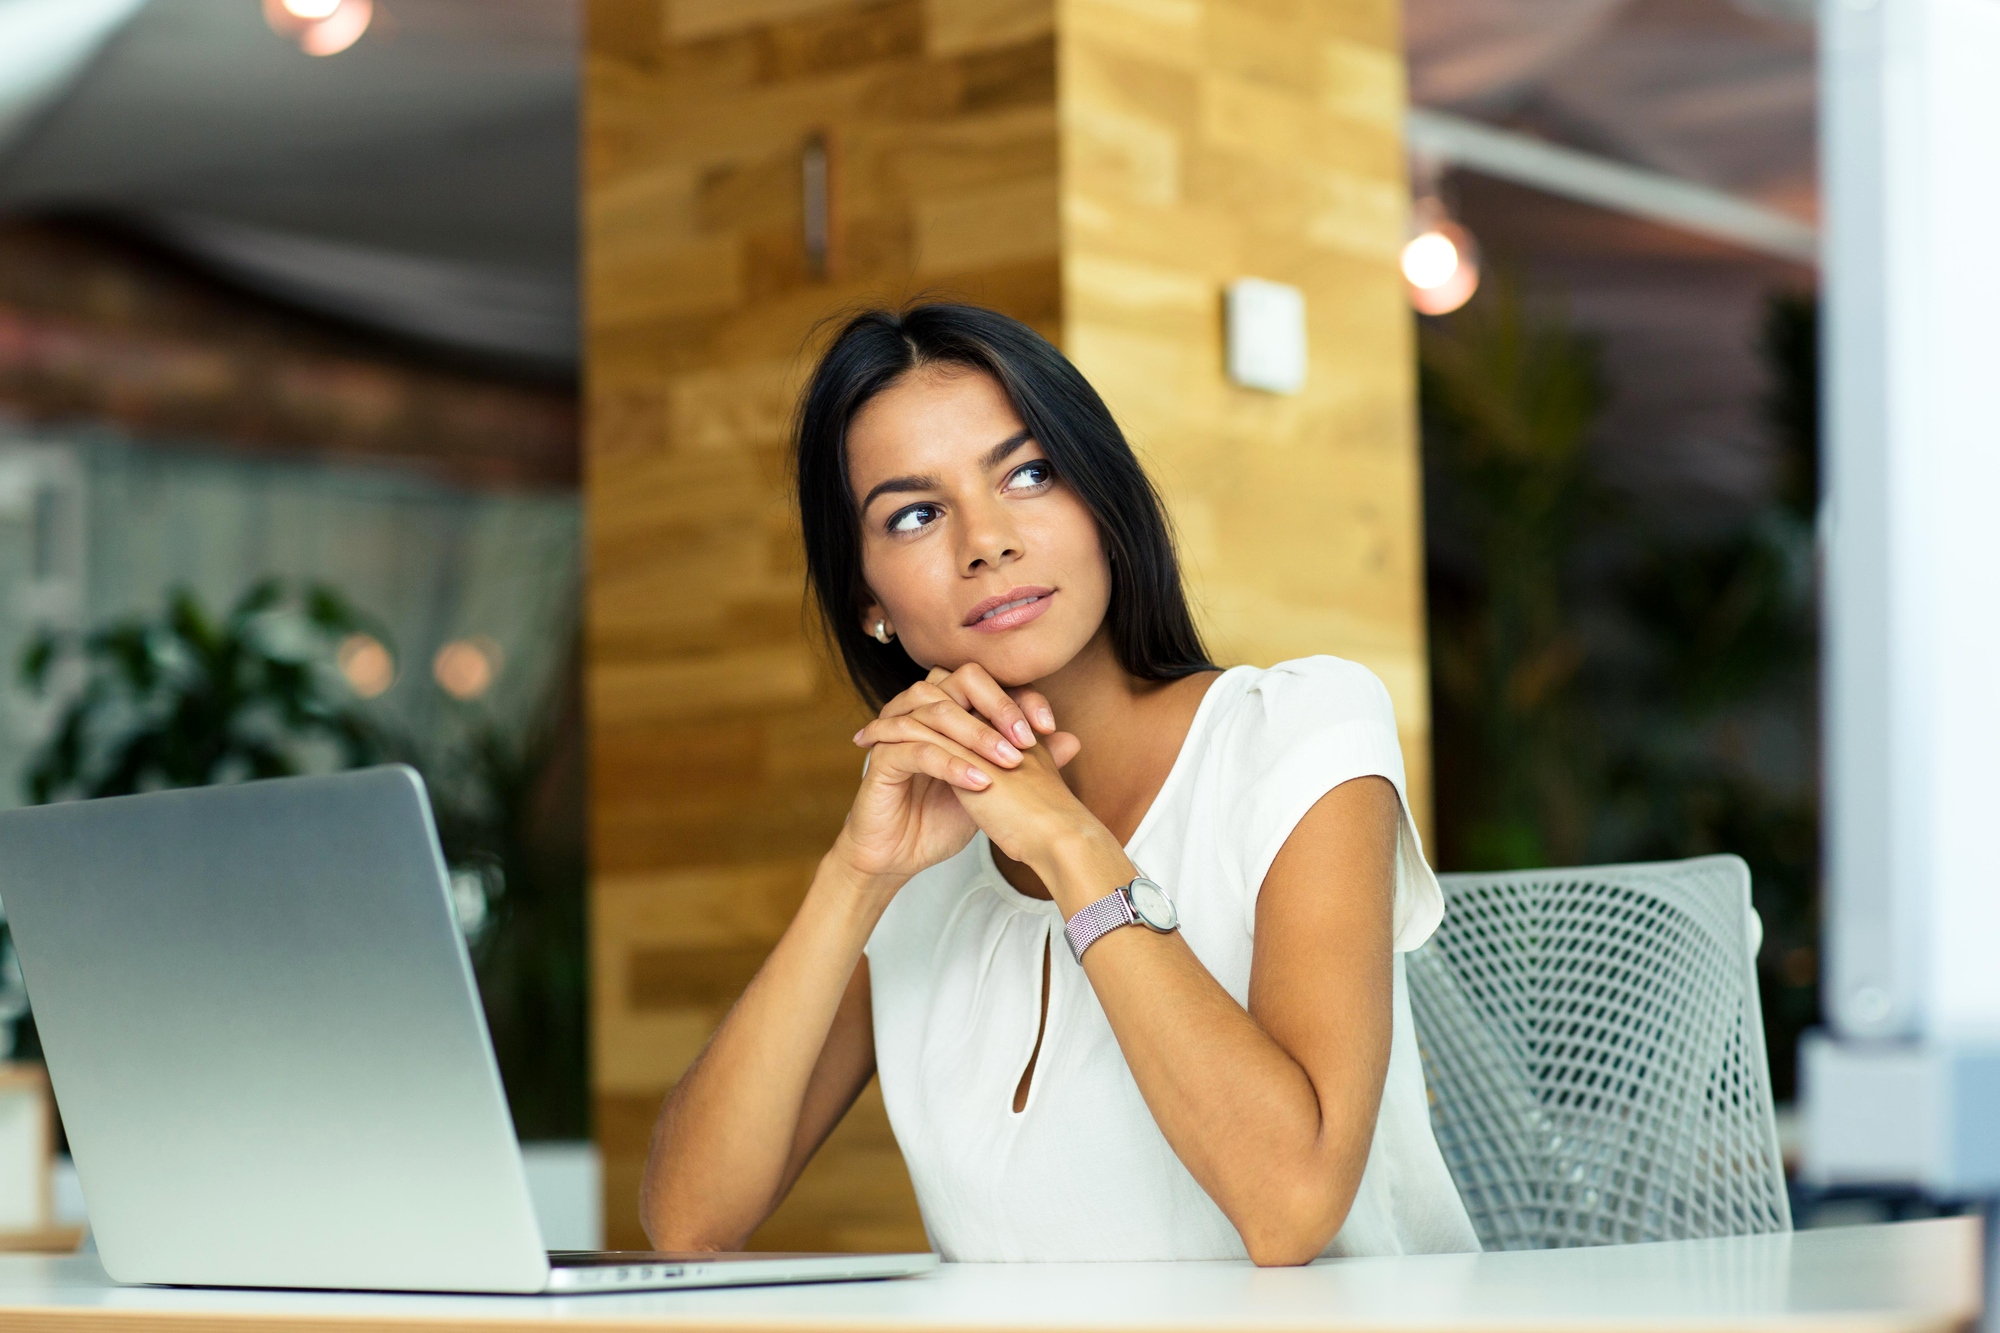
pixel 988 540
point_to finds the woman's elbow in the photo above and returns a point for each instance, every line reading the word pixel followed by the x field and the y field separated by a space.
pixel 1282 1252
pixel 1296 1229
pixel 682 1234
pixel 672 1215
pixel 653 1213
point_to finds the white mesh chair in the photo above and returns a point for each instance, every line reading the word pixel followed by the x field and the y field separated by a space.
pixel 1595 1052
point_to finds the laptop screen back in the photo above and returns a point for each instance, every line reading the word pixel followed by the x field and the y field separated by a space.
pixel 265 1039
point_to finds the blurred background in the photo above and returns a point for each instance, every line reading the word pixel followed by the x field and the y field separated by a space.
pixel 1620 446
pixel 289 440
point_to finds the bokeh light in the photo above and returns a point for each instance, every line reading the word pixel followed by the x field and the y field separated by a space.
pixel 366 665
pixel 320 27
pixel 1440 262
pixel 466 668
pixel 1430 259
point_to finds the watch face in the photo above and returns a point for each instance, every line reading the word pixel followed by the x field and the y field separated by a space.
pixel 1151 904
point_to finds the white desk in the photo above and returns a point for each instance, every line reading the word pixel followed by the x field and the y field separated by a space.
pixel 1906 1276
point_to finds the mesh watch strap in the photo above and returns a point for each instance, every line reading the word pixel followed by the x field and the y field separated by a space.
pixel 1108 913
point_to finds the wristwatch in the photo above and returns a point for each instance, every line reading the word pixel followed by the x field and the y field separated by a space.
pixel 1140 903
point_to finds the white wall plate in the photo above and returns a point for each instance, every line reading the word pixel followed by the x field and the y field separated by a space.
pixel 1266 335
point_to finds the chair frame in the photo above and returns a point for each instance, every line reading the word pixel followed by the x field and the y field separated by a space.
pixel 1594 1046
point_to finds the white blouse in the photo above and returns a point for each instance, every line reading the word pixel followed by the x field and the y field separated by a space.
pixel 1083 1172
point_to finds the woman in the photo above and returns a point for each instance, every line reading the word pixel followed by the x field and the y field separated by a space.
pixel 1118 930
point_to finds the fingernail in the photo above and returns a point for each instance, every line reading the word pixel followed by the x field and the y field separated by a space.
pixel 857 736
pixel 976 778
pixel 1046 718
pixel 1008 754
pixel 1024 733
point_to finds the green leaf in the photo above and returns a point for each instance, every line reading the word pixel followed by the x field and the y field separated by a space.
pixel 260 597
pixel 36 659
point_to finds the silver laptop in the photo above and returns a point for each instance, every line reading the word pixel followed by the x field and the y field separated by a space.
pixel 263 1032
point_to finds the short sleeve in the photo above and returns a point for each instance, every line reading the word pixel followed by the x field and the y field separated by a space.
pixel 1304 728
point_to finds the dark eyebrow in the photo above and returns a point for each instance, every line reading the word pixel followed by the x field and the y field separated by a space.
pixel 1006 446
pixel 895 485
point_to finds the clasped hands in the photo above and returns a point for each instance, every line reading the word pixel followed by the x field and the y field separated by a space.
pixel 956 753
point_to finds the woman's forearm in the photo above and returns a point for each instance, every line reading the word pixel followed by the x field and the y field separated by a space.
pixel 728 1141
pixel 1281 1157
pixel 1281 1161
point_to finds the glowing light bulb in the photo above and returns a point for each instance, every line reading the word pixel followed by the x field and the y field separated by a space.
pixel 1440 262
pixel 320 27
pixel 1430 259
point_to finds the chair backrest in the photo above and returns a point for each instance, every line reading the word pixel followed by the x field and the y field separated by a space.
pixel 1595 1052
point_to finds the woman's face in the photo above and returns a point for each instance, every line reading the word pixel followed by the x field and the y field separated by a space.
pixel 973 549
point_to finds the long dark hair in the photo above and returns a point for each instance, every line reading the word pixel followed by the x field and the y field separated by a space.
pixel 1152 630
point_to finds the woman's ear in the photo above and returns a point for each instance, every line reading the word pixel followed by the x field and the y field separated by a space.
pixel 875 623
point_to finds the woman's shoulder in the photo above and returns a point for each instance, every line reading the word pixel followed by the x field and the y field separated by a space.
pixel 1298 724
pixel 1295 731
pixel 1305 695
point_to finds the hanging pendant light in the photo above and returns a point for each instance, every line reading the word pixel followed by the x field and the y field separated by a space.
pixel 320 27
pixel 1440 261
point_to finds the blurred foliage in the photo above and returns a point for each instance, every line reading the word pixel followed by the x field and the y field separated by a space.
pixel 509 810
pixel 185 698
pixel 1509 399
pixel 1611 681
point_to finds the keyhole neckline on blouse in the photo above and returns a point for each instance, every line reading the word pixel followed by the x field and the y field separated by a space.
pixel 1026 1085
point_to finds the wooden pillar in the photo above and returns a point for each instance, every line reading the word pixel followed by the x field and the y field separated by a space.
pixel 1215 139
pixel 1097 168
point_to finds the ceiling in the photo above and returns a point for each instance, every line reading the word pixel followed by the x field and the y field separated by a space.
pixel 1720 92
pixel 425 180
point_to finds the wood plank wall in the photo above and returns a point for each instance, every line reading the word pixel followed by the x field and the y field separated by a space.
pixel 720 742
pixel 1218 139
pixel 1186 142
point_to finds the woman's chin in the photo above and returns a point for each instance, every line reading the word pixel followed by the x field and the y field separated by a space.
pixel 1014 664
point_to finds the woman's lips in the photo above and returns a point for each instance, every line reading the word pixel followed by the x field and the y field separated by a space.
pixel 996 615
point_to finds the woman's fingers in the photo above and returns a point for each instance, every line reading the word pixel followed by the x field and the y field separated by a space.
pixel 1016 716
pixel 886 732
pixel 919 694
pixel 1036 708
pixel 975 689
pixel 903 759
pixel 947 720
pixel 1063 747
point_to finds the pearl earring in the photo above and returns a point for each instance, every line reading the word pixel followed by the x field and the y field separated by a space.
pixel 882 634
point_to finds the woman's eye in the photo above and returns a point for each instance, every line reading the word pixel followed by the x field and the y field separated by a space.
pixel 1028 476
pixel 914 519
